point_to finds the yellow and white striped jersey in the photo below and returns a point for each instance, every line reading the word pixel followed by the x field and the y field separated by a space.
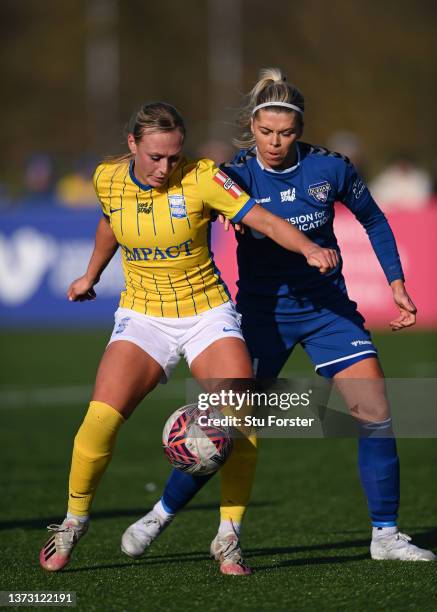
pixel 164 234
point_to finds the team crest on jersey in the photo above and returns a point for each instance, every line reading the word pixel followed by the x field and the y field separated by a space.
pixel 228 184
pixel 178 208
pixel 320 191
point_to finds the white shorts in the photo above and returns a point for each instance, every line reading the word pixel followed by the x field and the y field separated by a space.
pixel 167 339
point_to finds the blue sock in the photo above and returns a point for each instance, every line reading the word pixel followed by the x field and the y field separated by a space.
pixel 379 473
pixel 180 489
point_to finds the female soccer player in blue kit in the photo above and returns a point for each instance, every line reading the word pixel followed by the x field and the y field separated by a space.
pixel 283 302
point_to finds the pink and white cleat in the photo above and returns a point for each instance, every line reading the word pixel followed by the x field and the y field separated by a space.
pixel 56 552
pixel 226 549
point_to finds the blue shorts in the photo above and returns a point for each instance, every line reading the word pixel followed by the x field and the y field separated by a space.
pixel 332 341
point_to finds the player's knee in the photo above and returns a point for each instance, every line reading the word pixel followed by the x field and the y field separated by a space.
pixel 97 434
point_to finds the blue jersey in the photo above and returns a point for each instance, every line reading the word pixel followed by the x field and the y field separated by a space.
pixel 275 281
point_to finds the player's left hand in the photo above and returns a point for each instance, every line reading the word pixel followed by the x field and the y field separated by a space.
pixel 407 309
pixel 238 227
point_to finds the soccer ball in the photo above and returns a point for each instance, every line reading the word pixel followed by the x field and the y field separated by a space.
pixel 193 448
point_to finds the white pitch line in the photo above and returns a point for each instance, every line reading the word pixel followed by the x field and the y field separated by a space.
pixel 69 395
pixel 44 396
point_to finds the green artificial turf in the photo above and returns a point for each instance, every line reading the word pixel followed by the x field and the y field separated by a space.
pixel 306 533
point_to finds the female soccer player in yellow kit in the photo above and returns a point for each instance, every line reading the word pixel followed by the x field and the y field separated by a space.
pixel 157 208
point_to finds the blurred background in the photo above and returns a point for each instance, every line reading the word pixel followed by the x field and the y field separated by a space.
pixel 74 71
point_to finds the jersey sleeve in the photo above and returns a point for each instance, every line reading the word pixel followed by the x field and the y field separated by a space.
pixel 239 172
pixel 98 182
pixel 354 193
pixel 221 193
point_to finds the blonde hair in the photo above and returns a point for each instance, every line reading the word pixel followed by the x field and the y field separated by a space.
pixel 272 86
pixel 151 118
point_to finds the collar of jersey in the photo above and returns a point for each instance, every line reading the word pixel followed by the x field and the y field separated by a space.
pixel 279 172
pixel 134 178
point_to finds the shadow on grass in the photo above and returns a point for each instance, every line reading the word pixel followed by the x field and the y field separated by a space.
pixel 426 538
pixel 251 553
pixel 312 561
pixel 423 538
pixel 134 513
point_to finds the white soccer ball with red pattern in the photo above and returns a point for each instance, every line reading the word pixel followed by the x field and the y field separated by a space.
pixel 193 448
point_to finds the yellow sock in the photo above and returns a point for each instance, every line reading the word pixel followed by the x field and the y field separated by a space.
pixel 237 477
pixel 92 451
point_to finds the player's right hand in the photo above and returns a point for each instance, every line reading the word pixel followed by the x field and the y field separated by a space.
pixel 81 290
pixel 323 259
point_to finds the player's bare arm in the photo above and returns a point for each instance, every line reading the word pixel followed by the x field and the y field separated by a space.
pixel 289 237
pixel 105 248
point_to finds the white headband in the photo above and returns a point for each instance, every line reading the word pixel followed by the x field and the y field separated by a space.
pixel 286 104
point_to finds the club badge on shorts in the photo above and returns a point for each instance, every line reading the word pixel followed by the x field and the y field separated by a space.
pixel 178 209
pixel 122 325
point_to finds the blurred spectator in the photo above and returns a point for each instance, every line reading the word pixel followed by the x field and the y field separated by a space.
pixel 402 185
pixel 349 144
pixel 217 150
pixel 76 189
pixel 39 180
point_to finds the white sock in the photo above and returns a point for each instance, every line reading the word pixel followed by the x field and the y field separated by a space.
pixel 382 532
pixel 159 509
pixel 229 526
pixel 81 519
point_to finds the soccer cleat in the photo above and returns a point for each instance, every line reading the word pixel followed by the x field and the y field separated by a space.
pixel 138 537
pixel 397 547
pixel 56 552
pixel 226 549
